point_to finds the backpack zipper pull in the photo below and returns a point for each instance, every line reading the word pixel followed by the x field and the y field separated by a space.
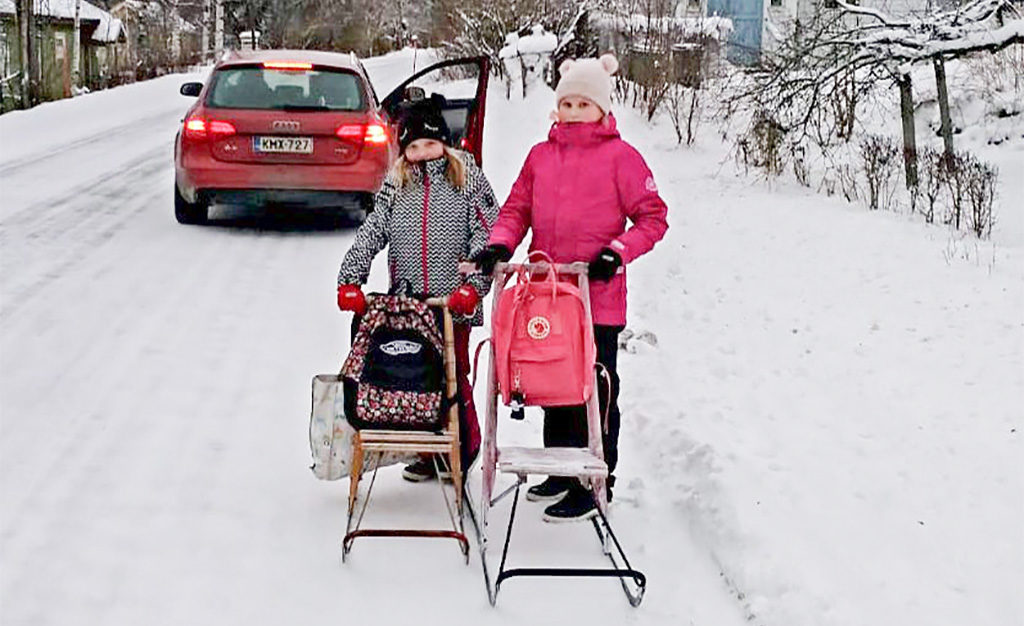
pixel 518 405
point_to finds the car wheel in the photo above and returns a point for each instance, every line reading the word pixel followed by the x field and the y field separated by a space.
pixel 189 212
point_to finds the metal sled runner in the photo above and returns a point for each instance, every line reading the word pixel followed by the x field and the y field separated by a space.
pixel 585 464
pixel 444 443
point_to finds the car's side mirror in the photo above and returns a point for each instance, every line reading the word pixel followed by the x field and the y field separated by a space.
pixel 191 89
pixel 414 94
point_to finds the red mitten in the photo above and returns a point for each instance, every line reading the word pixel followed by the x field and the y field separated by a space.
pixel 351 298
pixel 464 300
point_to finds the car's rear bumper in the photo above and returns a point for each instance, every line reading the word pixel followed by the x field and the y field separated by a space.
pixel 198 173
pixel 354 201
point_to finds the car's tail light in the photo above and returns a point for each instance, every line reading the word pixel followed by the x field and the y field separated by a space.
pixel 295 66
pixel 219 129
pixel 350 132
pixel 195 128
pixel 376 134
pixel 199 129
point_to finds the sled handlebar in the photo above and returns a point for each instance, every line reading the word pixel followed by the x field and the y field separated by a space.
pixel 579 267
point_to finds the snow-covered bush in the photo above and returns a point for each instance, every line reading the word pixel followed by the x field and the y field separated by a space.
pixel 880 163
pixel 684 107
pixel 480 27
pixel 931 182
pixel 955 172
pixel 980 195
pixel 526 60
pixel 763 146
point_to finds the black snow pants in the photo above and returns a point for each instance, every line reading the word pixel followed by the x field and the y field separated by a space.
pixel 566 426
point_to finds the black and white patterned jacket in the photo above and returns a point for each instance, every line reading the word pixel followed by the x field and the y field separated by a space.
pixel 428 227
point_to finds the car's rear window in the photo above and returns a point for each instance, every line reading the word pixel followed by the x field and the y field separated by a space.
pixel 266 88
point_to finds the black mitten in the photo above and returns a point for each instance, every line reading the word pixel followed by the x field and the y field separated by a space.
pixel 605 265
pixel 490 256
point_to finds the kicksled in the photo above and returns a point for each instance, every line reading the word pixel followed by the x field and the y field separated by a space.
pixel 536 312
pixel 532 319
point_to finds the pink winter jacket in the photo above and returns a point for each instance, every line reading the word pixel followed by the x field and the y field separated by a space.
pixel 575 191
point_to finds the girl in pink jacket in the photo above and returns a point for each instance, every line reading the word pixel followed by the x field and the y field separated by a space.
pixel 576 191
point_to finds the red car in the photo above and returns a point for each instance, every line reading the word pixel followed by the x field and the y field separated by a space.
pixel 305 129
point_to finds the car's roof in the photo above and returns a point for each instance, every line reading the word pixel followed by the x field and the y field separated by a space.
pixel 340 60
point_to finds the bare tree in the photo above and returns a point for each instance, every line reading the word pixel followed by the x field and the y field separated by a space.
pixel 811 85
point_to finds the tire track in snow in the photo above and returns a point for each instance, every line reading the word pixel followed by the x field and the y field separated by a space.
pixel 32 160
pixel 52 236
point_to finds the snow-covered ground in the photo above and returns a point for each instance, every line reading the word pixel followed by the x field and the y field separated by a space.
pixel 826 432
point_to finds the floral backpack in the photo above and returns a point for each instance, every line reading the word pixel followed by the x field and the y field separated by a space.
pixel 394 376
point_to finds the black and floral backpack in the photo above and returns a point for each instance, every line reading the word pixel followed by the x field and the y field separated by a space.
pixel 394 376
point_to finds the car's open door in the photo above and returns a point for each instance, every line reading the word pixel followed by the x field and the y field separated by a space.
pixel 463 83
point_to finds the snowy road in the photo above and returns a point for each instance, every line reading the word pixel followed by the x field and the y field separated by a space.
pixel 155 398
pixel 831 417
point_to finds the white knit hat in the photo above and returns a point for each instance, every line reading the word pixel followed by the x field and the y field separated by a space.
pixel 588 78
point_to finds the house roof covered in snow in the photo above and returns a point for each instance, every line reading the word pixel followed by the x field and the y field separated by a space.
pixel 538 42
pixel 108 28
pixel 716 27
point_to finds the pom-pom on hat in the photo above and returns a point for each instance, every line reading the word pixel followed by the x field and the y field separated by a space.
pixel 422 119
pixel 588 78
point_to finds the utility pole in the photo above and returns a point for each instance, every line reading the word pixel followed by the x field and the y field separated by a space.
pixel 26 30
pixel 218 36
pixel 205 40
pixel 175 35
pixel 76 48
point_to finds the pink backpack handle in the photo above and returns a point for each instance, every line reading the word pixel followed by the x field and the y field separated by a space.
pixel 551 277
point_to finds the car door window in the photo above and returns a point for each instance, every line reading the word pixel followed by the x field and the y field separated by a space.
pixel 463 83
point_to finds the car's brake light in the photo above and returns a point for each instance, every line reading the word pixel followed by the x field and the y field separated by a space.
pixel 195 128
pixel 294 66
pixel 376 134
pixel 350 131
pixel 221 129
pixel 199 129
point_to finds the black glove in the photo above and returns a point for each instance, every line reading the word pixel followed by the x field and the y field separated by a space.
pixel 605 265
pixel 490 256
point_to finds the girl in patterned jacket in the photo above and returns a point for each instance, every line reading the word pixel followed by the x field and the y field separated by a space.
pixel 576 192
pixel 434 210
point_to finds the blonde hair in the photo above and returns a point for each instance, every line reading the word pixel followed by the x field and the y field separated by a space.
pixel 401 171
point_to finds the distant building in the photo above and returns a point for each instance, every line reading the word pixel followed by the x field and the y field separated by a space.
pixel 158 39
pixel 102 40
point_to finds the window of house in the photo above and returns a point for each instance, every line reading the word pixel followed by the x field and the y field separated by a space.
pixel 58 46
pixel 5 53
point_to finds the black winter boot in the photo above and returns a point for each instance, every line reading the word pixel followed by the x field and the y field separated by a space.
pixel 553 488
pixel 576 506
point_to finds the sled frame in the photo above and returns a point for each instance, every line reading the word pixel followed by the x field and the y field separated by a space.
pixel 633 582
pixel 440 445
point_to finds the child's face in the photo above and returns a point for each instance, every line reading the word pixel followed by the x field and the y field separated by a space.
pixel 573 109
pixel 424 150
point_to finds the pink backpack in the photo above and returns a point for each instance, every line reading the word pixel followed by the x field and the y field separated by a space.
pixel 543 341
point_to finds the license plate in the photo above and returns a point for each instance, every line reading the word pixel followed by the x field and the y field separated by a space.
pixel 293 145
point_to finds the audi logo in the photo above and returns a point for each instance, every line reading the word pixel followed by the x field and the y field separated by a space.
pixel 288 125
